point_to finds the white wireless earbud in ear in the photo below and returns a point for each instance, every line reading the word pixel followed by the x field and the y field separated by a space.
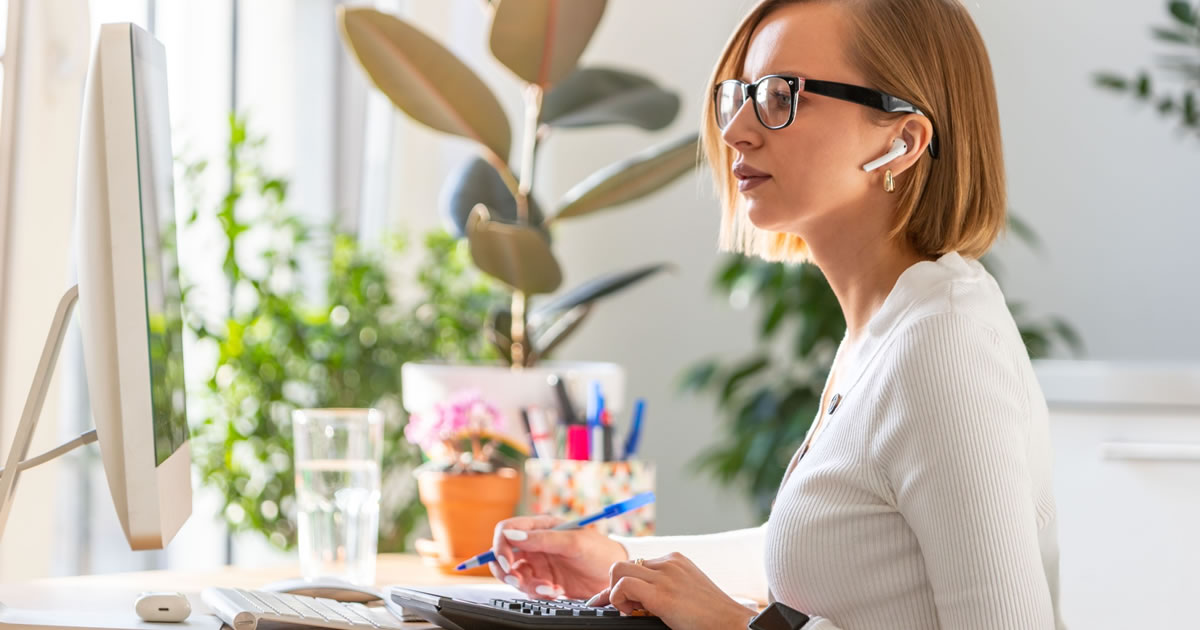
pixel 899 147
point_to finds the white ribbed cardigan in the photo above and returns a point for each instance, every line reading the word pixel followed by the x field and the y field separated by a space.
pixel 926 501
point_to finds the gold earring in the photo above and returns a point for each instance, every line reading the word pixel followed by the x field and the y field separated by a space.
pixel 889 184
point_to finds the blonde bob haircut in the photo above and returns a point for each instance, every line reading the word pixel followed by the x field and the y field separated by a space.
pixel 929 53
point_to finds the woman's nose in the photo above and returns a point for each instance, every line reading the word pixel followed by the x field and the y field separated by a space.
pixel 743 130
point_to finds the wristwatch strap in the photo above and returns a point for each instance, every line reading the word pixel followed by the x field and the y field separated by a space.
pixel 778 616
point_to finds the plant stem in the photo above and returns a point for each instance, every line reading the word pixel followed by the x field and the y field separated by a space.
pixel 533 110
pixel 518 330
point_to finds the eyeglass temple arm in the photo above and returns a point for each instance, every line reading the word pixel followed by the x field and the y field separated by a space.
pixel 870 98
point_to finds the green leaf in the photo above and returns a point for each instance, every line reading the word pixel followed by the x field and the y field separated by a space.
pixel 517 255
pixel 1183 12
pixel 1143 85
pixel 1036 343
pixel 541 40
pixel 741 373
pixel 1111 81
pixel 775 317
pixel 477 182
pixel 1174 37
pixel 594 289
pixel 1024 232
pixel 810 332
pixel 732 271
pixel 630 179
pixel 1068 334
pixel 498 332
pixel 1189 71
pixel 426 80
pixel 553 333
pixel 698 376
pixel 604 96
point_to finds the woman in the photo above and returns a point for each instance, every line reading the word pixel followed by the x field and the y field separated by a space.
pixel 862 136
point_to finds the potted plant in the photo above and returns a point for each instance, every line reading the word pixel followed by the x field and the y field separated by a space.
pixel 489 200
pixel 469 482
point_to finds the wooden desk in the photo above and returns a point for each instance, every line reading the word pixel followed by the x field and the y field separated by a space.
pixel 104 592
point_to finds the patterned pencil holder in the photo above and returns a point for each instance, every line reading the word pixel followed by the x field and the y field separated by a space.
pixel 571 488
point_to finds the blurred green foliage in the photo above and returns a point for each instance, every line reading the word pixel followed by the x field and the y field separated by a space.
pixel 1180 65
pixel 273 347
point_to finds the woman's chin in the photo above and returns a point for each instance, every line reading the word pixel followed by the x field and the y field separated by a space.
pixel 762 218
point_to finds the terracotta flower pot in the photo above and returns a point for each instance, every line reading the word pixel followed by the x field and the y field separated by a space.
pixel 463 512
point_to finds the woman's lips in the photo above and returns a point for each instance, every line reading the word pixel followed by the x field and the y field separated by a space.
pixel 748 177
pixel 746 183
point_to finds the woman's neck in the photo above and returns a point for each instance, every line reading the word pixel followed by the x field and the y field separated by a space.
pixel 862 272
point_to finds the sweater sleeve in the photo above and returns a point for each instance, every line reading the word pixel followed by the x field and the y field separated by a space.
pixel 953 445
pixel 733 560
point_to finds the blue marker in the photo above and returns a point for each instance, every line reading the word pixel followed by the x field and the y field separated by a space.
pixel 631 442
pixel 616 509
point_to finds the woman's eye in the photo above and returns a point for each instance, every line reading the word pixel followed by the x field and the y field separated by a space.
pixel 783 99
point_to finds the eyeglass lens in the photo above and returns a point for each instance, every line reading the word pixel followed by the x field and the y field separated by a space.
pixel 772 101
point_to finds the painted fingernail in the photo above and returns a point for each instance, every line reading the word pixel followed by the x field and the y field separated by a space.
pixel 503 563
pixel 548 591
pixel 512 581
pixel 592 601
pixel 515 534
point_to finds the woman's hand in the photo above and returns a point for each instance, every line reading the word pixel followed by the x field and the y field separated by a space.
pixel 553 563
pixel 674 590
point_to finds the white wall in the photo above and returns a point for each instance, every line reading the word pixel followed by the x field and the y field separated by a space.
pixel 1104 183
pixel 1108 184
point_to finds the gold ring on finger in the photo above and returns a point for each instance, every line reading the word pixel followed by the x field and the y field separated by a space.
pixel 639 562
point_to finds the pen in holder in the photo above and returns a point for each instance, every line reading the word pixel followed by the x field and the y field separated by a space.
pixel 573 488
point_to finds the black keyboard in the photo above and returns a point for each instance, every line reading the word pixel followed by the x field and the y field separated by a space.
pixel 517 614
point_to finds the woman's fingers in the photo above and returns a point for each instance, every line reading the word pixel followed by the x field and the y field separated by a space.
pixel 502 545
pixel 551 541
pixel 619 571
pixel 538 578
pixel 642 571
pixel 599 599
pixel 631 594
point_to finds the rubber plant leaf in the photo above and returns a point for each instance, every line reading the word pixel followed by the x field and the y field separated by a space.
pixel 630 179
pixel 425 80
pixel 541 40
pixel 516 254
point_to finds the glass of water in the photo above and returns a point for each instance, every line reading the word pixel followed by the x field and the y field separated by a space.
pixel 337 457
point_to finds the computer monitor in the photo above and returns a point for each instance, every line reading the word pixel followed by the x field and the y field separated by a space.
pixel 129 291
pixel 131 315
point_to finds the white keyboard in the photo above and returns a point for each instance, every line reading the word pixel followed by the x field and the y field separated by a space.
pixel 244 610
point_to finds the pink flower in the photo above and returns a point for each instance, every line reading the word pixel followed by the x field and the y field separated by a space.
pixel 465 413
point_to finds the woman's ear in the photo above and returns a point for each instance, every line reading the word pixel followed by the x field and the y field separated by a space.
pixel 917 132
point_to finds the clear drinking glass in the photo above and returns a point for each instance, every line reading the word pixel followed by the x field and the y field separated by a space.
pixel 337 457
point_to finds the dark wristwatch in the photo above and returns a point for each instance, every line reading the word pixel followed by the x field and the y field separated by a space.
pixel 778 617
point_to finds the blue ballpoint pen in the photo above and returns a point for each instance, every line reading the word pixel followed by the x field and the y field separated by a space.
pixel 615 509
pixel 639 410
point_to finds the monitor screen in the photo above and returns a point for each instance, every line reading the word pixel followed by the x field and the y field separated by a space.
pixel 157 195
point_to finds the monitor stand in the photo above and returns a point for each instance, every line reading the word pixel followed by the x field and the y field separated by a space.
pixel 33 403
pixel 65 613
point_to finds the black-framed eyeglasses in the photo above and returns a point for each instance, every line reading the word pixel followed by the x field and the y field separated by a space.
pixel 774 99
